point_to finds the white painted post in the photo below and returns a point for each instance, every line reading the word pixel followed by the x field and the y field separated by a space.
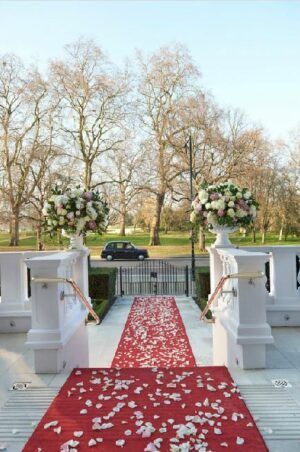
pixel 241 331
pixel 285 307
pixel 81 271
pixel 58 335
pixel 15 306
pixel 283 301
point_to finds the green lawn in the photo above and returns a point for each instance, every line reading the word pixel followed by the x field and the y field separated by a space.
pixel 172 244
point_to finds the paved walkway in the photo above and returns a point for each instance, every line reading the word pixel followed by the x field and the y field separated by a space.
pixel 278 409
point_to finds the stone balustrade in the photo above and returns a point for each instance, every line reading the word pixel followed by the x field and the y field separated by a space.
pixel 283 300
pixel 240 331
pixel 15 306
pixel 58 335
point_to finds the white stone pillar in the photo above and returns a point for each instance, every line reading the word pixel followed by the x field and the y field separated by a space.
pixel 285 307
pixel 15 305
pixel 81 272
pixel 283 301
pixel 241 331
pixel 58 335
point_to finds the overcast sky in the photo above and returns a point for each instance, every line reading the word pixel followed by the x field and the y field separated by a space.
pixel 248 51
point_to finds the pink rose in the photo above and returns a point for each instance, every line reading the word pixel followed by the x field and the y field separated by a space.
pixel 220 212
pixel 92 225
pixel 70 215
pixel 87 195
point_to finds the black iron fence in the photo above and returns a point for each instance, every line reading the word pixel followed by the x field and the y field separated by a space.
pixel 154 277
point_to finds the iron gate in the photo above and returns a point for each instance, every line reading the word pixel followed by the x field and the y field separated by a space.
pixel 153 277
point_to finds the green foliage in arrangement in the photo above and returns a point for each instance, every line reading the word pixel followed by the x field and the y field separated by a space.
pixel 202 280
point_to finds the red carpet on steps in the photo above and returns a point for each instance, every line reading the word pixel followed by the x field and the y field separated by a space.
pixel 147 410
pixel 136 407
pixel 154 335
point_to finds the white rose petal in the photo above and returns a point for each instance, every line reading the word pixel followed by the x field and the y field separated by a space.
pixel 50 424
pixel 92 442
pixel 78 434
pixel 239 441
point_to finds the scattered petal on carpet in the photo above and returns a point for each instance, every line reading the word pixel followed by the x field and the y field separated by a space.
pixel 154 335
pixel 172 407
pixel 152 410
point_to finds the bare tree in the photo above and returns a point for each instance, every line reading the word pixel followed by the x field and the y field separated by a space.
pixel 25 135
pixel 122 170
pixel 166 79
pixel 92 96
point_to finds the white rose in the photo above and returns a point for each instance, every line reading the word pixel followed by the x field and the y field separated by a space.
pixel 77 213
pixel 253 211
pixel 247 195
pixel 61 221
pixel 214 204
pixel 208 205
pixel 193 217
pixel 203 196
pixel 230 213
pixel 231 204
pixel 220 204
pixel 239 195
pixel 241 213
pixel 45 208
pixel 211 218
pixel 77 192
pixel 80 225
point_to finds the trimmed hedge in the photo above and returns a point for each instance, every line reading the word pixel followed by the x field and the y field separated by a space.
pixel 102 289
pixel 102 283
pixel 101 307
pixel 202 279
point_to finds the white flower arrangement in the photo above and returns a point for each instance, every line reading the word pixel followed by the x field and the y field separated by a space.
pixel 225 204
pixel 74 211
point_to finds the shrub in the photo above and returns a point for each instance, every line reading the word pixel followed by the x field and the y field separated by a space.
pixel 202 280
pixel 102 289
pixel 102 283
pixel 101 307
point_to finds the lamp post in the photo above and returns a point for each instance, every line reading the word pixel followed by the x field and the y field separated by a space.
pixel 190 149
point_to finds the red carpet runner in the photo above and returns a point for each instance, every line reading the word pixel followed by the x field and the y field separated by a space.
pixel 151 410
pixel 154 335
pixel 175 409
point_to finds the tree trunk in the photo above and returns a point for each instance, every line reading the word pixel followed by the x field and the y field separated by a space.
pixel 154 231
pixel 280 233
pixel 14 234
pixel 254 235
pixel 87 175
pixel 263 236
pixel 39 241
pixel 122 224
pixel 201 239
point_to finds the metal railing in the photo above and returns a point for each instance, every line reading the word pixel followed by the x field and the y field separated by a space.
pixel 247 275
pixel 76 289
